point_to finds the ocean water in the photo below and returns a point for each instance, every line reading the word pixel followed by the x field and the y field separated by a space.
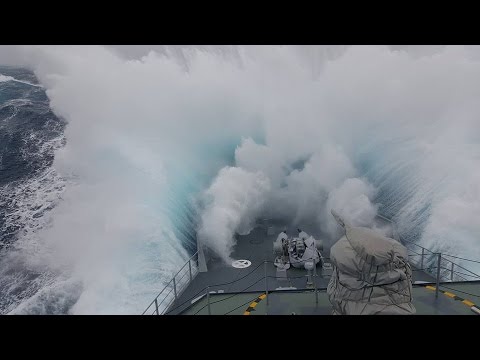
pixel 100 209
pixel 29 187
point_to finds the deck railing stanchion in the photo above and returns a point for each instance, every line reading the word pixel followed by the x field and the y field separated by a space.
pixel 421 261
pixel 156 306
pixel 266 286
pixel 174 288
pixel 190 269
pixel 208 300
pixel 451 271
pixel 438 274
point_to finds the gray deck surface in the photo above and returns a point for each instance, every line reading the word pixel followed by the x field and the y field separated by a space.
pixel 256 247
pixel 303 303
pixel 226 282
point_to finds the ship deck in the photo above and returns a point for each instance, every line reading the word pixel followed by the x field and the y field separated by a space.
pixel 303 302
pixel 241 291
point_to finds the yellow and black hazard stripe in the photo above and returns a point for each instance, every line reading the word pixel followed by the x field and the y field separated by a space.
pixel 470 304
pixel 255 302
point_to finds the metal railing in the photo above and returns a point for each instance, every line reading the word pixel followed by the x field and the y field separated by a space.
pixel 177 284
pixel 438 265
pixel 208 307
pixel 311 286
pixel 207 292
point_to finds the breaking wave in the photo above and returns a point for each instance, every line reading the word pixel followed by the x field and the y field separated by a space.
pixel 158 149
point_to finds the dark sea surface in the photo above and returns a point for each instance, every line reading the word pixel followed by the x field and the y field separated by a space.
pixel 29 186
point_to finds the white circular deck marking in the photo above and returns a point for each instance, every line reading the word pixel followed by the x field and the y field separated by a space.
pixel 241 264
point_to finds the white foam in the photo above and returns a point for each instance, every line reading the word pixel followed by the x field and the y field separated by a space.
pixel 233 202
pixel 404 123
pixel 5 78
